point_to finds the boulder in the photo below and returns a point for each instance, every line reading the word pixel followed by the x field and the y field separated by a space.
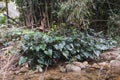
pixel 118 58
pixel 95 65
pixel 72 68
pixel 104 65
pixel 115 64
pixel 109 55
pixel 79 64
pixel 86 64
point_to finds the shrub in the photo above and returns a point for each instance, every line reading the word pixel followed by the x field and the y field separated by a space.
pixel 40 50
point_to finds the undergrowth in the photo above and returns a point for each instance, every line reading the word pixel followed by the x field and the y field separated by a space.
pixel 45 49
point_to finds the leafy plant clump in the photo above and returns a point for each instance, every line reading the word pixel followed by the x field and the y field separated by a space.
pixel 40 50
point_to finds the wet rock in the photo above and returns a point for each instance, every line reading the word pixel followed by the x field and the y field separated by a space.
pixel 115 63
pixel 79 64
pixel 72 68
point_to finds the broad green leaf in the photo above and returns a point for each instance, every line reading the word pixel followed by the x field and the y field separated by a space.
pixel 22 60
pixel 86 54
pixel 97 53
pixel 101 47
pixel 43 46
pixel 69 48
pixel 60 46
pixel 49 52
pixel 65 54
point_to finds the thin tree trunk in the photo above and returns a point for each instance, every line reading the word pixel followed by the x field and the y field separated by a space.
pixel 7 13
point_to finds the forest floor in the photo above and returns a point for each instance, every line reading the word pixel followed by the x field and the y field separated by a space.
pixel 107 67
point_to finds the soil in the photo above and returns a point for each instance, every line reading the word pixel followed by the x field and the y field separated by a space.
pixel 24 73
pixel 55 74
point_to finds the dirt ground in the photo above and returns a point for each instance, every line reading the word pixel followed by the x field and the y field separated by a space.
pixel 24 73
pixel 55 74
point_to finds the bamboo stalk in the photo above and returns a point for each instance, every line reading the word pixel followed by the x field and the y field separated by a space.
pixel 7 13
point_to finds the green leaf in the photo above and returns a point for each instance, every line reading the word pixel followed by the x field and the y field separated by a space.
pixel 49 52
pixel 39 67
pixel 56 47
pixel 97 53
pixel 22 60
pixel 78 57
pixel 60 46
pixel 26 37
pixel 69 48
pixel 43 46
pixel 101 47
pixel 37 48
pixel 86 54
pixel 36 36
pixel 65 54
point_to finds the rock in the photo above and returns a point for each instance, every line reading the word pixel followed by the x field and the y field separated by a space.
pixel 95 65
pixel 79 64
pixel 109 55
pixel 86 64
pixel 104 65
pixel 62 68
pixel 115 63
pixel 118 58
pixel 12 10
pixel 63 78
pixel 72 68
pixel 23 70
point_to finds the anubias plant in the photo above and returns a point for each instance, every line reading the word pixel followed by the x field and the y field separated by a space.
pixel 40 50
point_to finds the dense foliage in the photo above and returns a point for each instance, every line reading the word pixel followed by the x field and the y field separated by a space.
pixel 44 50
pixel 40 50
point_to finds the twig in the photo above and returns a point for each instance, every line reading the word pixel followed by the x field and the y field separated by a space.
pixel 11 18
